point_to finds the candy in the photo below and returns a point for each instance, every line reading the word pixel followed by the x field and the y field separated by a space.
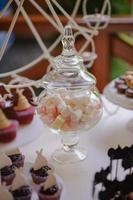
pixel 89 109
pixel 42 110
pixel 76 115
pixel 57 99
pixel 68 111
pixel 48 119
pixel 52 109
pixel 58 123
pixel 44 100
pixel 85 117
pixel 61 106
pixel 72 103
pixel 65 127
pixel 50 100
pixel 74 125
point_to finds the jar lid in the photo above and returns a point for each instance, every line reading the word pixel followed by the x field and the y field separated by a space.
pixel 69 71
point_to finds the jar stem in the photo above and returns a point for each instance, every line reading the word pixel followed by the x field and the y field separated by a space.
pixel 70 151
pixel 70 142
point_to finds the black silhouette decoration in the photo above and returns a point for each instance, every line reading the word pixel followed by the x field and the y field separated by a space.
pixel 113 188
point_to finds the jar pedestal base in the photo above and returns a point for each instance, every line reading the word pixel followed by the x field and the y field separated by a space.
pixel 72 156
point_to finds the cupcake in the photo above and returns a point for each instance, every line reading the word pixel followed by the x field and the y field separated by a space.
pixel 16 157
pixel 129 81
pixel 40 169
pixel 7 170
pixel 124 84
pixel 24 111
pixel 10 112
pixel 50 190
pixel 20 188
pixel 119 81
pixel 129 93
pixel 8 128
pixel 121 88
pixel 4 193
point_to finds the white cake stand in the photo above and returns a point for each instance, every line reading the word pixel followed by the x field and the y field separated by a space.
pixel 121 100
pixel 26 134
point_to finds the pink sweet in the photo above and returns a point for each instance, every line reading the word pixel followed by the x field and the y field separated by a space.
pixel 75 111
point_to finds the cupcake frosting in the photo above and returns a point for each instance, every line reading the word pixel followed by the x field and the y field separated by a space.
pixel 22 103
pixel 51 181
pixel 19 180
pixel 4 160
pixel 4 122
pixel 40 161
pixel 13 152
pixel 4 193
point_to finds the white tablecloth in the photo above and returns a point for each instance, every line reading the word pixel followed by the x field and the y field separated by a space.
pixel 78 177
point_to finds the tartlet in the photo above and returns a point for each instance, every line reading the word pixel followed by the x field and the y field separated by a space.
pixel 20 188
pixel 7 170
pixel 16 157
pixel 50 190
pixel 40 168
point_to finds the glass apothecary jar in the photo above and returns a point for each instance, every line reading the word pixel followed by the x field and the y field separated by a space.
pixel 70 102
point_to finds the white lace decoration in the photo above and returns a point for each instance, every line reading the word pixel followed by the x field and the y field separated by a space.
pixel 80 29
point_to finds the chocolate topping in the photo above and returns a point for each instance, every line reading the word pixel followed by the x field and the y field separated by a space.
pixel 6 171
pixel 50 191
pixel 24 191
pixel 41 172
pixel 16 157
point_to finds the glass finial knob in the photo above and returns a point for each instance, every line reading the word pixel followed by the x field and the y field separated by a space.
pixel 68 40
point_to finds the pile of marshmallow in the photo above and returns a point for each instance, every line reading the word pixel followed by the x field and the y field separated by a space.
pixel 66 111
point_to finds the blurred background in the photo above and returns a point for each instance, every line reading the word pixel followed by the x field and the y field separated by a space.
pixel 22 47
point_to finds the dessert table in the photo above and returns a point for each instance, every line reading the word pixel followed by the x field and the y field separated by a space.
pixel 77 178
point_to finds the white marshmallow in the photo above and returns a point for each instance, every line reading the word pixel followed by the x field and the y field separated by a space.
pixel 62 106
pixel 76 115
pixel 50 108
pixel 85 117
pixel 89 109
pixel 66 112
pixel 44 100
pixel 56 99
